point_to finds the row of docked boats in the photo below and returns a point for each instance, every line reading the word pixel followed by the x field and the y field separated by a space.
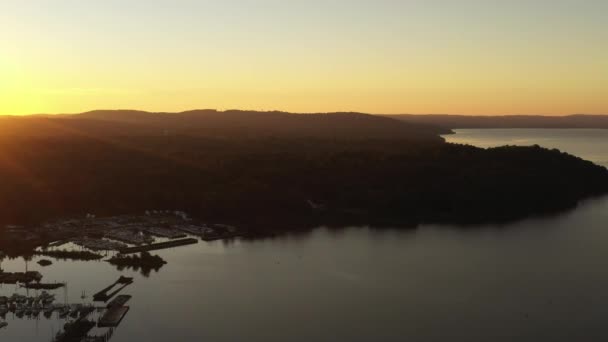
pixel 43 298
pixel 63 311
pixel 31 307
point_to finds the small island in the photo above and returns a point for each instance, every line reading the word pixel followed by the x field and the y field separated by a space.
pixel 144 262
pixel 45 262
pixel 144 259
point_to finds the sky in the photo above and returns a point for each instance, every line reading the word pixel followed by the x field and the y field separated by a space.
pixel 388 57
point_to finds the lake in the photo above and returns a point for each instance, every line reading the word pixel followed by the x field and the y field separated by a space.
pixel 540 279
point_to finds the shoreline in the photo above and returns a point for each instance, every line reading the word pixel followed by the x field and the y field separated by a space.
pixel 38 237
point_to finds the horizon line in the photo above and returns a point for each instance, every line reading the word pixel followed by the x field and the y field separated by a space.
pixel 299 113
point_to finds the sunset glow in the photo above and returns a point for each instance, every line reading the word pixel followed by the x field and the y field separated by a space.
pixel 461 57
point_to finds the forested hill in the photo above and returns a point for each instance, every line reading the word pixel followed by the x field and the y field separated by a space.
pixel 222 124
pixel 275 169
pixel 507 121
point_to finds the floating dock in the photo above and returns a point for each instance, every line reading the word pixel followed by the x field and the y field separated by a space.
pixel 160 245
pixel 113 317
pixel 119 301
pixel 43 286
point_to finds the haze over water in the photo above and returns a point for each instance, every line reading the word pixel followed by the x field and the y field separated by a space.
pixel 537 279
pixel 588 144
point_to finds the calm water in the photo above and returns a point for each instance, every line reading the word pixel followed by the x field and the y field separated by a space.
pixel 590 144
pixel 535 280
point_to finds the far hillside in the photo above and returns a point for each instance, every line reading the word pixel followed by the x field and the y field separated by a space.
pixel 249 124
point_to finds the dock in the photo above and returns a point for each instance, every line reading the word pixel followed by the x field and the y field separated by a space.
pixel 160 245
pixel 113 317
pixel 210 232
pixel 43 286
pixel 165 233
pixel 105 294
pixel 119 301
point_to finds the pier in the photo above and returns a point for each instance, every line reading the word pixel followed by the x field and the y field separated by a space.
pixel 105 294
pixel 119 301
pixel 43 286
pixel 160 245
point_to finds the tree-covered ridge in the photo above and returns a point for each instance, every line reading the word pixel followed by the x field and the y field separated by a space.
pixel 216 124
pixel 288 182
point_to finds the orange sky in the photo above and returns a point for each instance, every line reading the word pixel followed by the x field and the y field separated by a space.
pixel 465 57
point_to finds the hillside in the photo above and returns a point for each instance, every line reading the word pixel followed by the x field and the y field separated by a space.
pixel 269 169
pixel 216 124
pixel 271 183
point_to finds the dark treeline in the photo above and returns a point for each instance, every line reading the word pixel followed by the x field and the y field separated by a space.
pixel 286 182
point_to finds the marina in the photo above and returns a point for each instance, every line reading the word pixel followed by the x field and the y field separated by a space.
pixel 164 232
pixel 113 233
pixel 129 236
pixel 209 232
pixel 79 321
pixel 160 245
pixel 97 244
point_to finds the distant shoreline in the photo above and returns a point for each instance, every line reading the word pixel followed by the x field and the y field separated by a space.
pixel 507 121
